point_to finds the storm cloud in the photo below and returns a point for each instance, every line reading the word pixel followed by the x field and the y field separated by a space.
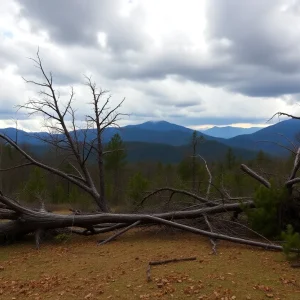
pixel 196 62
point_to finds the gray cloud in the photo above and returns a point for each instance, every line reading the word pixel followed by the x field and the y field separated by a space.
pixel 188 103
pixel 259 32
pixel 254 47
pixel 166 97
pixel 251 51
pixel 261 59
pixel 75 22
pixel 264 40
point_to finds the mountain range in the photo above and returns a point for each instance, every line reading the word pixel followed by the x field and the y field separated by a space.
pixel 167 142
pixel 228 132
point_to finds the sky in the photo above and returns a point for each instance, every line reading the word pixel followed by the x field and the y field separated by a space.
pixel 191 62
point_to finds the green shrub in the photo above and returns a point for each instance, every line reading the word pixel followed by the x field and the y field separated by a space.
pixel 62 237
pixel 58 195
pixel 265 217
pixel 35 187
pixel 291 241
pixel 138 185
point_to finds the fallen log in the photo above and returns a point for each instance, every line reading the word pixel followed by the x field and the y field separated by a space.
pixel 163 262
pixel 30 220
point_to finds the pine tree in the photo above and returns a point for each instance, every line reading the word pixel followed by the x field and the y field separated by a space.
pixel 115 162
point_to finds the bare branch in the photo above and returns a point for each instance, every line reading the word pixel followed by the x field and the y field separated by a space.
pixel 289 141
pixel 209 175
pixel 183 192
pixel 296 165
pixel 120 232
pixel 254 175
pixel 213 241
pixel 45 167
pixel 16 167
pixel 292 182
pixel 278 144
pixel 284 114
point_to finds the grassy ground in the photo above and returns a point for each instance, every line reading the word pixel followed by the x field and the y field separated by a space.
pixel 79 269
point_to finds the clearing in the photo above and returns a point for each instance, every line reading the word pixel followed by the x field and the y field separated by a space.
pixel 79 269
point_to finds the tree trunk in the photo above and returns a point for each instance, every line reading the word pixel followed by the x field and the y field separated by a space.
pixel 194 167
pixel 29 220
pixel 103 203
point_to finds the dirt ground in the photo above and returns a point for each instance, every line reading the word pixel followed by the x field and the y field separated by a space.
pixel 79 269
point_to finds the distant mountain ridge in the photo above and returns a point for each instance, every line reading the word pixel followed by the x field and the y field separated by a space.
pixel 228 132
pixel 269 139
pixel 165 133
pixel 167 146
pixel 160 126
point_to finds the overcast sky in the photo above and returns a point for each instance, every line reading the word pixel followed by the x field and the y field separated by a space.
pixel 190 62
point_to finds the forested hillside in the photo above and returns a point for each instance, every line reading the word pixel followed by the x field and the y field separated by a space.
pixel 141 167
pixel 159 136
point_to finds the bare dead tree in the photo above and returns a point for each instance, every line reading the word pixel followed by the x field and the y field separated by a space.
pixel 64 134
pixel 102 118
pixel 195 141
pixel 75 142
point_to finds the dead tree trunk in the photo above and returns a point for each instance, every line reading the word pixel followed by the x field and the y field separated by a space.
pixel 77 146
pixel 28 221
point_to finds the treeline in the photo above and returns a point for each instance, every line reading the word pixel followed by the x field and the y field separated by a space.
pixel 127 183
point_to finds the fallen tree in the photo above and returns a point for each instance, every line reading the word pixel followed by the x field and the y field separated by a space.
pixel 30 221
pixel 23 221
pixel 20 220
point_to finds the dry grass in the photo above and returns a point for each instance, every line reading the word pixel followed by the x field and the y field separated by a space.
pixel 79 269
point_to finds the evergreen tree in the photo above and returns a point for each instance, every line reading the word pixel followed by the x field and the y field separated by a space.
pixel 138 185
pixel 187 173
pixel 230 159
pixel 114 163
pixel 35 188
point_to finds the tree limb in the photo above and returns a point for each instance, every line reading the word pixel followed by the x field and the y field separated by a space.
pixel 183 192
pixel 254 175
pixel 213 241
pixel 120 232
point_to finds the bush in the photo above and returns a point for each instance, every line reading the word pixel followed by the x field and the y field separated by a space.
pixel 291 241
pixel 265 217
pixel 62 237
pixel 138 185
pixel 58 194
pixel 35 188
